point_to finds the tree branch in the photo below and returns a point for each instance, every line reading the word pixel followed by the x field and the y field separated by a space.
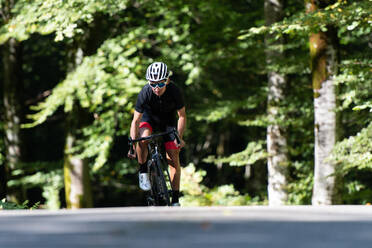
pixel 38 97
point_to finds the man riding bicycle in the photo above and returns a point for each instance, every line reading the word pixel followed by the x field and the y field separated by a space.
pixel 156 108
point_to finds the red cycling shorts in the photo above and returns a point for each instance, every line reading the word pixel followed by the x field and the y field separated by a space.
pixel 169 143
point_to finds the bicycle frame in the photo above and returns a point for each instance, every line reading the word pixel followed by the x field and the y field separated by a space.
pixel 159 194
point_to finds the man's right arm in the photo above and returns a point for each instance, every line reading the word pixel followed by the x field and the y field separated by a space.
pixel 134 127
pixel 134 130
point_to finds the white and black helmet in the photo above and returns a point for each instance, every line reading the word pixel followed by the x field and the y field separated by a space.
pixel 157 71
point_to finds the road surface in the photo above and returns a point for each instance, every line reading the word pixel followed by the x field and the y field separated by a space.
pixel 217 227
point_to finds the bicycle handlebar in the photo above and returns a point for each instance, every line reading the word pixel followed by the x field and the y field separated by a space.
pixel 132 141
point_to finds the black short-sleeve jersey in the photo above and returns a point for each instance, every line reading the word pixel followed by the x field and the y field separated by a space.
pixel 160 109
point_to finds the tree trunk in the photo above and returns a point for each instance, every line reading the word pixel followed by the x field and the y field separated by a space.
pixel 76 170
pixel 324 63
pixel 12 110
pixel 11 104
pixel 76 175
pixel 276 139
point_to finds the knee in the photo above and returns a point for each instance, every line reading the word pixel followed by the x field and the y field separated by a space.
pixel 174 161
pixel 143 144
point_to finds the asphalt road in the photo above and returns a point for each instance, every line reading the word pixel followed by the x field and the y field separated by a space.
pixel 227 227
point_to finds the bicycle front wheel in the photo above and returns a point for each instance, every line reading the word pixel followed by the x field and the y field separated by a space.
pixel 158 185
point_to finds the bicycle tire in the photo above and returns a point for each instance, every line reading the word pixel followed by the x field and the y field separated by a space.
pixel 163 189
pixel 159 190
pixel 153 198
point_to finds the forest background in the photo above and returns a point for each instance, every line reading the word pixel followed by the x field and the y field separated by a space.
pixel 278 99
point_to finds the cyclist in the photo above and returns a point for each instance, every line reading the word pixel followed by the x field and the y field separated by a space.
pixel 156 108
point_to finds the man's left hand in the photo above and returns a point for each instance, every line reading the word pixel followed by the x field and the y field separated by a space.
pixel 181 144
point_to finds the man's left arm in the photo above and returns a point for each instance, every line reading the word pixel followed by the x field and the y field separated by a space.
pixel 181 125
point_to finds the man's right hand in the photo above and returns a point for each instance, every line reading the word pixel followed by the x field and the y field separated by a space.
pixel 132 155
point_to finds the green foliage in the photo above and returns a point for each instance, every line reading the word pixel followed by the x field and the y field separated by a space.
pixel 227 109
pixel 46 175
pixel 357 192
pixel 352 20
pixel 216 50
pixel 5 205
pixel 354 158
pixel 356 78
pixel 301 185
pixel 254 152
pixel 64 18
pixel 354 152
pixel 351 16
pixel 105 84
pixel 52 188
pixel 196 194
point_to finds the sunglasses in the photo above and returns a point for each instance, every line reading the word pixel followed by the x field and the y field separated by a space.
pixel 154 85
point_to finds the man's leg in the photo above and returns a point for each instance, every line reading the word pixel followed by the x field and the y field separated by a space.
pixel 142 153
pixel 145 129
pixel 175 172
pixel 141 149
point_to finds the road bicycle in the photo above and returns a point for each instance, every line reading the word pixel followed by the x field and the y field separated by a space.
pixel 157 169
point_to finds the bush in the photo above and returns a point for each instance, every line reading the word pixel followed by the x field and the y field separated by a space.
pixel 197 194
